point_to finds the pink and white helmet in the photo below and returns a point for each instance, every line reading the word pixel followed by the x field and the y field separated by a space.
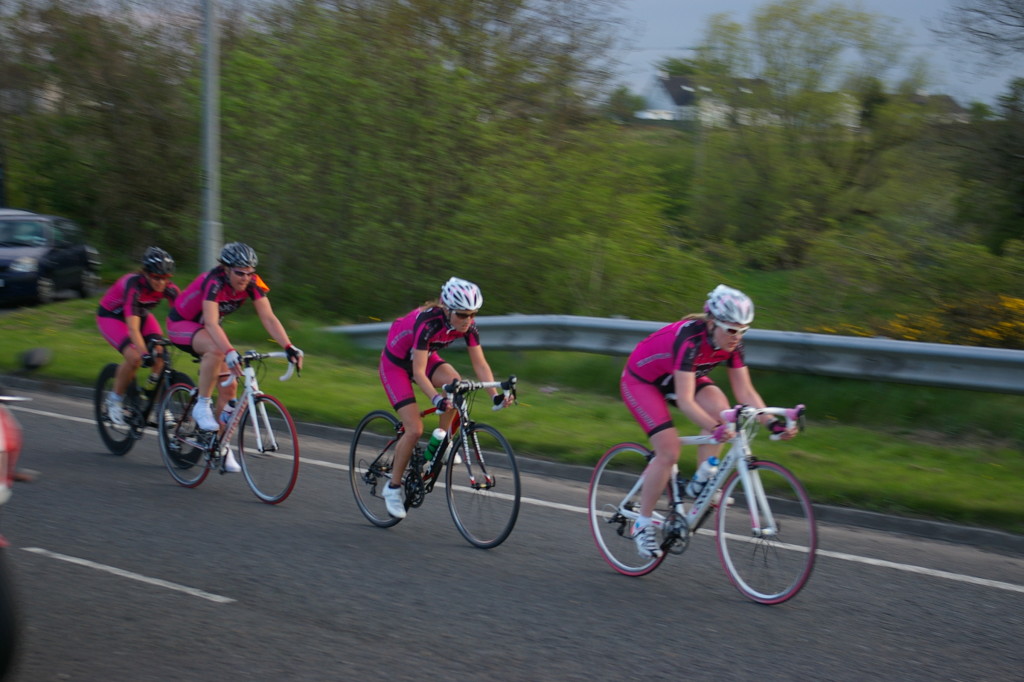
pixel 729 305
pixel 459 294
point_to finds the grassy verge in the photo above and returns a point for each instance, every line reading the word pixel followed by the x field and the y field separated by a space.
pixel 950 455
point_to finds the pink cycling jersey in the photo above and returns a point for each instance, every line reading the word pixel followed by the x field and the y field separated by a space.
pixel 648 378
pixel 132 295
pixel 212 286
pixel 423 329
pixel 684 346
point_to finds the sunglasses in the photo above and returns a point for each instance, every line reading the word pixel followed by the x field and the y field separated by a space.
pixel 159 278
pixel 732 330
pixel 242 273
pixel 465 316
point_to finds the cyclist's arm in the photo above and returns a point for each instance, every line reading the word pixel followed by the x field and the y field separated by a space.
pixel 134 324
pixel 274 326
pixel 419 373
pixel 685 383
pixel 480 367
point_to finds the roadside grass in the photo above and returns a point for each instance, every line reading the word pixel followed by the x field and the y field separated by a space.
pixel 914 451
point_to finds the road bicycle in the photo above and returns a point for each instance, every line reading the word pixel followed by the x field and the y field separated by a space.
pixel 268 445
pixel 481 476
pixel 765 528
pixel 138 404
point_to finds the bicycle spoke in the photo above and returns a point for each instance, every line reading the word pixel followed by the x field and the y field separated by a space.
pixel 613 503
pixel 268 450
pixel 118 439
pixel 180 444
pixel 484 490
pixel 371 455
pixel 769 552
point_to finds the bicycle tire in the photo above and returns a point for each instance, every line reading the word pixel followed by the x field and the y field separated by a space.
pixel 771 567
pixel 185 461
pixel 370 460
pixel 118 439
pixel 484 515
pixel 271 472
pixel 616 475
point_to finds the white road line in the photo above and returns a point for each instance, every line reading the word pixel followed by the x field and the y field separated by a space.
pixel 881 563
pixel 216 598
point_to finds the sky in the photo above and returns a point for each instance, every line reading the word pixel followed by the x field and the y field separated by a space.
pixel 660 28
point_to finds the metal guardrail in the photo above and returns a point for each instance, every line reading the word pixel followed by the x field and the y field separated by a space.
pixel 996 370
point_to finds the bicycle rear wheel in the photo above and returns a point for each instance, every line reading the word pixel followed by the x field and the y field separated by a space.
pixel 484 510
pixel 118 439
pixel 268 450
pixel 182 451
pixel 370 460
pixel 613 503
pixel 772 563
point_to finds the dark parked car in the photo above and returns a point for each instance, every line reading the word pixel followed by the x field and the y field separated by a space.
pixel 41 255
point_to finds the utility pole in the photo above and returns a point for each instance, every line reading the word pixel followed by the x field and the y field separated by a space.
pixel 210 233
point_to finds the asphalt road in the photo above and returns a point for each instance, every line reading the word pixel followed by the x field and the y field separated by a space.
pixel 121 574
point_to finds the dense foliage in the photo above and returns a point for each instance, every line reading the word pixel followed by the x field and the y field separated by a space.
pixel 372 148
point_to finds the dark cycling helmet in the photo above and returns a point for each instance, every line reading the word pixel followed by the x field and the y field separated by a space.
pixel 156 261
pixel 238 255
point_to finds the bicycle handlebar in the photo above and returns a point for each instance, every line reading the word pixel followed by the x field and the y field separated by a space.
pixel 463 386
pixel 251 356
pixel 743 413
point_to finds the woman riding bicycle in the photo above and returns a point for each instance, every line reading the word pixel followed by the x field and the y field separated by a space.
pixel 410 355
pixel 125 321
pixel 194 326
pixel 673 363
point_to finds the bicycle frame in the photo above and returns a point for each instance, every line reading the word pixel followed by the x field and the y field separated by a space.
pixel 461 426
pixel 737 458
pixel 248 401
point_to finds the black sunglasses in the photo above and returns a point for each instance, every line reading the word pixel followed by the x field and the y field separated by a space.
pixel 464 316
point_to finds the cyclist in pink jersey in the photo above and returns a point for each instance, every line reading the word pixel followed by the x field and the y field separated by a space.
pixel 194 326
pixel 410 356
pixel 673 364
pixel 125 321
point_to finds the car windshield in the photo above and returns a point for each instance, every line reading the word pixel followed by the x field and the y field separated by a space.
pixel 22 233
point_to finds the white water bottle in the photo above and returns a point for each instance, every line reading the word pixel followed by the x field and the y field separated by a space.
pixel 706 470
pixel 225 413
pixel 435 441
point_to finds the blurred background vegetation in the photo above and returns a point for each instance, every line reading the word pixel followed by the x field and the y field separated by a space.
pixel 373 148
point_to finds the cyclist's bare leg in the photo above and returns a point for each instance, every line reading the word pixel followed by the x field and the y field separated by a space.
pixel 127 369
pixel 666 453
pixel 713 400
pixel 413 424
pixel 444 374
pixel 211 363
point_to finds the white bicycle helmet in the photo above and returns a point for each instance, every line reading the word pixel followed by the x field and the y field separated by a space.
pixel 459 294
pixel 729 305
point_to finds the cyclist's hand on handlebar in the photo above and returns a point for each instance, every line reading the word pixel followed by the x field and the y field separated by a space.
pixel 441 403
pixel 234 362
pixel 779 431
pixel 295 355
pixel 723 433
pixel 501 400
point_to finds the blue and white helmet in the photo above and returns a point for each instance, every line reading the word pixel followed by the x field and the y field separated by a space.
pixel 459 294
pixel 729 305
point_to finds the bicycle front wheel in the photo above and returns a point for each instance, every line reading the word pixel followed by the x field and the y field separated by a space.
pixel 118 439
pixel 486 506
pixel 613 503
pixel 370 460
pixel 768 553
pixel 179 440
pixel 268 449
